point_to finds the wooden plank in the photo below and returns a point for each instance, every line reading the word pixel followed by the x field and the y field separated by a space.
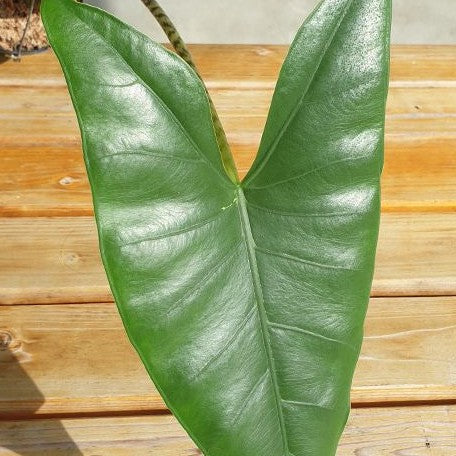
pixel 45 180
pixel 419 175
pixel 416 255
pixel 423 64
pixel 56 260
pixel 401 336
pixel 33 102
pixel 47 260
pixel 31 115
pixel 44 173
pixel 255 65
pixel 417 431
pixel 67 359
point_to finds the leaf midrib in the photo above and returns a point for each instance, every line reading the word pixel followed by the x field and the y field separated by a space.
pixel 270 151
pixel 165 107
pixel 251 247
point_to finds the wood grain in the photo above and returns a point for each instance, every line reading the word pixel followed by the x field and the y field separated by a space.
pixel 25 110
pixel 51 260
pixel 405 431
pixel 257 65
pixel 56 260
pixel 50 180
pixel 44 180
pixel 70 359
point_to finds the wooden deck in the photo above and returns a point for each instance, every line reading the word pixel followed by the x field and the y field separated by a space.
pixel 70 384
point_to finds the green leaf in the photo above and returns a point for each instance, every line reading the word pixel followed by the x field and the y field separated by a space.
pixel 245 302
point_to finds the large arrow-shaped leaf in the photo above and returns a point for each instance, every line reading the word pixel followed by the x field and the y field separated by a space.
pixel 245 301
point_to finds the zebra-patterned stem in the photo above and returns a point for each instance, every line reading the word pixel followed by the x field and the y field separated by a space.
pixel 181 49
pixel 170 30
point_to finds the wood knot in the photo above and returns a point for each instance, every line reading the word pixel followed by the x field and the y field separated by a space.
pixel 6 340
pixel 11 348
pixel 67 180
pixel 262 51
pixel 70 258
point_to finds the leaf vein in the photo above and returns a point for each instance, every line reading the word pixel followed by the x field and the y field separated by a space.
pixel 295 110
pixel 204 279
pixel 306 404
pixel 299 214
pixel 305 173
pixel 297 259
pixel 152 155
pixel 246 400
pixel 165 107
pixel 185 230
pixel 227 345
pixel 256 282
pixel 307 332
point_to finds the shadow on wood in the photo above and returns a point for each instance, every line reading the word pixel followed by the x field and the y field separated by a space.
pixel 12 373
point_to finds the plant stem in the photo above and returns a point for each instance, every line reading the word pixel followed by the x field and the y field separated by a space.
pixel 181 49
pixel 18 50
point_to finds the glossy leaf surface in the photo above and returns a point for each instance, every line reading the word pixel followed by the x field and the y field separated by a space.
pixel 245 302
